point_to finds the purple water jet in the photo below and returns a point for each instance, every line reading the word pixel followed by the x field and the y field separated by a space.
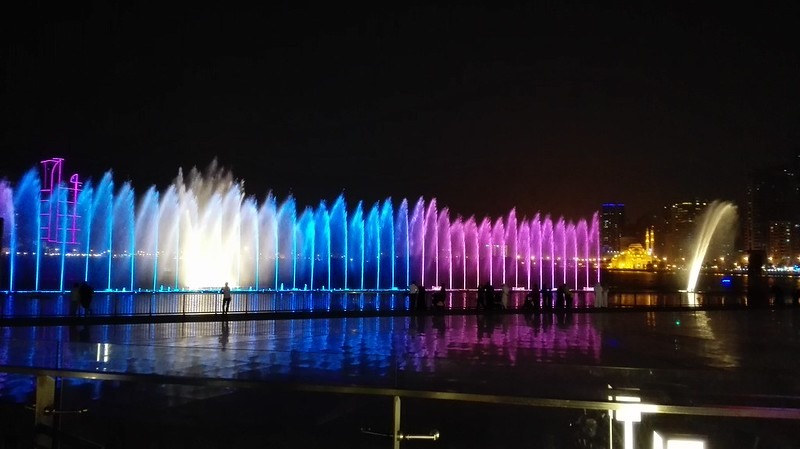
pixel 203 230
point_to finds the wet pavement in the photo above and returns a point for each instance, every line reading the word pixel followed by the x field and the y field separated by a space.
pixel 483 380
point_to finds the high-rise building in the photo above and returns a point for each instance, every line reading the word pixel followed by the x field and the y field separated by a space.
pixel 779 242
pixel 612 227
pixel 772 212
pixel 680 223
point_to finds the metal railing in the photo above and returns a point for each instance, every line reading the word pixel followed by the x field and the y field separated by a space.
pixel 127 304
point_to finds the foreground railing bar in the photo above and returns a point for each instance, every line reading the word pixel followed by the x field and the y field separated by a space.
pixel 712 411
pixel 718 411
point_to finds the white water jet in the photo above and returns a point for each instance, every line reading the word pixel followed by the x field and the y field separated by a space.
pixel 717 214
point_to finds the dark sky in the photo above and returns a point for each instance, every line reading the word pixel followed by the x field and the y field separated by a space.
pixel 546 106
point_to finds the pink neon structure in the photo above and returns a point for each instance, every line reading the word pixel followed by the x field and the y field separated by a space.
pixel 51 217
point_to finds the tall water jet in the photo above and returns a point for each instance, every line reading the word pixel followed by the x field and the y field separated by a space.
pixel 203 230
pixel 719 216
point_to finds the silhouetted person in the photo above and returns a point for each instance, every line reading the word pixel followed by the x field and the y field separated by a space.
pixel 413 294
pixel 547 297
pixel 505 292
pixel 563 297
pixel 421 305
pixel 598 295
pixel 439 298
pixel 226 298
pixel 560 300
pixel 491 300
pixel 532 300
pixel 86 292
pixel 481 297
pixel 528 304
pixel 75 299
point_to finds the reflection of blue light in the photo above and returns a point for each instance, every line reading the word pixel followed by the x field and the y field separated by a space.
pixel 727 281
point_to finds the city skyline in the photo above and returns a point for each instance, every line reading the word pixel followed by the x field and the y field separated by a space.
pixel 551 108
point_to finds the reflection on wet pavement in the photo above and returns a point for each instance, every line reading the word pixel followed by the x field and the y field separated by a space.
pixel 688 356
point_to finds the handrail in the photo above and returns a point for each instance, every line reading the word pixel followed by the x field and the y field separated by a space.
pixel 760 412
pixel 196 304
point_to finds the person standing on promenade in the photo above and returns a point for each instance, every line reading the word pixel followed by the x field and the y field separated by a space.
pixel 506 292
pixel 561 299
pixel 489 297
pixel 598 295
pixel 413 292
pixel 481 297
pixel 226 298
pixel 532 299
pixel 86 292
pixel 75 299
pixel 547 297
pixel 439 298
pixel 421 304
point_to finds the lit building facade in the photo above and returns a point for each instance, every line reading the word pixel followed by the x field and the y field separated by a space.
pixel 612 227
pixel 680 223
pixel 780 238
pixel 772 213
pixel 636 256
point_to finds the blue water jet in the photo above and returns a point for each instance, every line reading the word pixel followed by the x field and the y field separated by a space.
pixel 203 230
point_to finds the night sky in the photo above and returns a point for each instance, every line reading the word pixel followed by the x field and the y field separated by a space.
pixel 555 107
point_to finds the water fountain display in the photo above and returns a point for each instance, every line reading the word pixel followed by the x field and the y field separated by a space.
pixel 717 216
pixel 203 230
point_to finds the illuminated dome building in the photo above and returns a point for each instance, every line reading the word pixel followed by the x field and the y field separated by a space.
pixel 636 257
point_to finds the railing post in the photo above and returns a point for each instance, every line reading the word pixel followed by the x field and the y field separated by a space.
pixel 45 404
pixel 396 435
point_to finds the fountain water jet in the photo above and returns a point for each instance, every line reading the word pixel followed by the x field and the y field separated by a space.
pixel 203 230
pixel 716 215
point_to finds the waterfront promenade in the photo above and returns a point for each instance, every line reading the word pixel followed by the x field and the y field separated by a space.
pixel 480 379
pixel 120 307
